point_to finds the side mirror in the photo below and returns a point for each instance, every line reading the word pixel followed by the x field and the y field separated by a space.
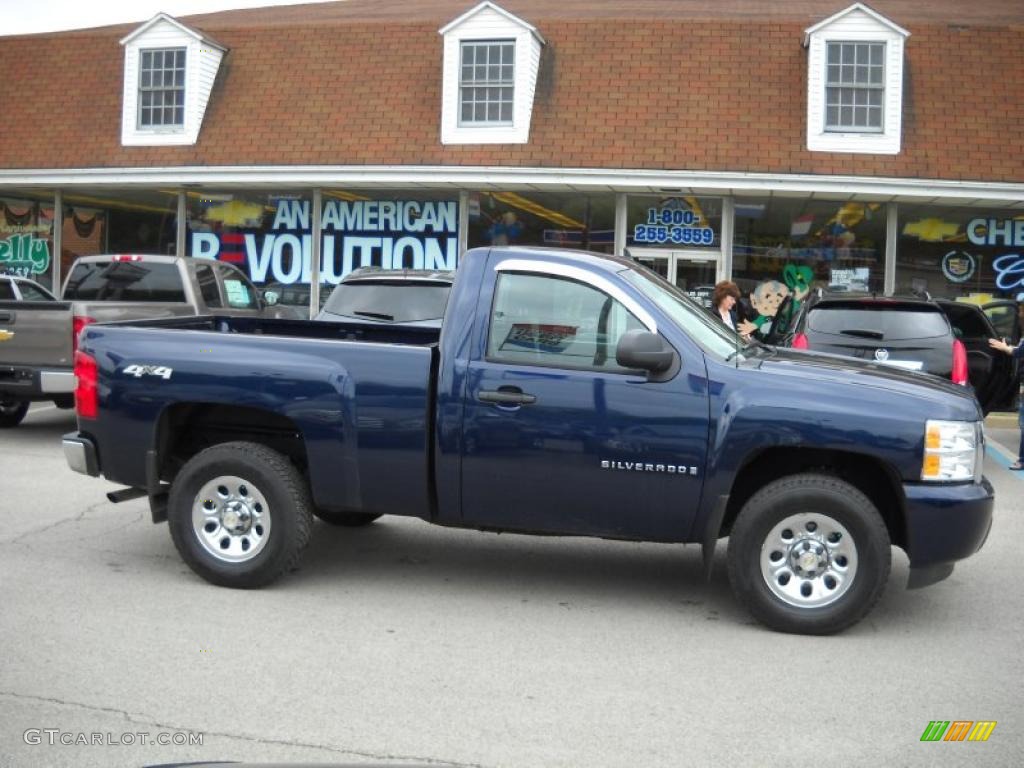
pixel 644 350
pixel 270 297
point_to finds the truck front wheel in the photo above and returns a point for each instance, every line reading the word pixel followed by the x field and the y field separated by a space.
pixel 239 514
pixel 12 411
pixel 809 554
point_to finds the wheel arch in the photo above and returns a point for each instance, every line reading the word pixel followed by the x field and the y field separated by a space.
pixel 872 477
pixel 185 429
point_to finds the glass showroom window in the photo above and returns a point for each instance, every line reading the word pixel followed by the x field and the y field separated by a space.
pixel 162 88
pixel 555 219
pixel 855 87
pixel 26 238
pixel 787 247
pixel 961 252
pixel 487 82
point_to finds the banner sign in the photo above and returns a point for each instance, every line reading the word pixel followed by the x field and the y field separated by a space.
pixel 393 234
pixel 25 254
pixel 1009 268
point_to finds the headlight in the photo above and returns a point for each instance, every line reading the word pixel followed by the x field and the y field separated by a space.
pixel 952 451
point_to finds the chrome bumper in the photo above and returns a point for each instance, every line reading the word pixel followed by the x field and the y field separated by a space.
pixel 80 454
pixel 57 382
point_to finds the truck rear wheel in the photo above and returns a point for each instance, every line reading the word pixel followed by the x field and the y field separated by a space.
pixel 346 519
pixel 12 411
pixel 809 554
pixel 239 514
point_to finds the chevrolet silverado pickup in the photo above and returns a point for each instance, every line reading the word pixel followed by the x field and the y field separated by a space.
pixel 37 335
pixel 565 393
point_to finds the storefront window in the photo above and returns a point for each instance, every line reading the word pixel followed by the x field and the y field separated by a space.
pixel 26 238
pixel 266 235
pixel 961 252
pixel 675 223
pixel 270 237
pixel 101 221
pixel 553 219
pixel 785 247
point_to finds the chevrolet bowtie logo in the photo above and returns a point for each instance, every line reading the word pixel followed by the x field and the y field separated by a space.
pixel 6 335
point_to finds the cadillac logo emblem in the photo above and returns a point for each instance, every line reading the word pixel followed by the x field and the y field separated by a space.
pixel 881 355
pixel 958 266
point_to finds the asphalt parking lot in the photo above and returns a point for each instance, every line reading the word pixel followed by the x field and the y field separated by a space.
pixel 416 644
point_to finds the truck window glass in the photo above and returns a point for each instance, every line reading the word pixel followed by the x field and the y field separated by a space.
pixel 30 292
pixel 125 281
pixel 698 324
pixel 239 292
pixel 399 301
pixel 208 285
pixel 6 291
pixel 544 320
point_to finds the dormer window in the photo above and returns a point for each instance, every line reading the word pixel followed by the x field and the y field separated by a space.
pixel 855 87
pixel 169 71
pixel 487 82
pixel 162 88
pixel 855 83
pixel 491 59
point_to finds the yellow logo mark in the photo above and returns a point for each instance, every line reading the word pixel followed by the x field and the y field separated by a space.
pixel 932 230
pixel 6 335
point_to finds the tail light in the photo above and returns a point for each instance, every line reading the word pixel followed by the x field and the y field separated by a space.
pixel 800 341
pixel 959 363
pixel 86 394
pixel 78 322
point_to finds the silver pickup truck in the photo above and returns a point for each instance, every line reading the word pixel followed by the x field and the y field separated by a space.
pixel 38 334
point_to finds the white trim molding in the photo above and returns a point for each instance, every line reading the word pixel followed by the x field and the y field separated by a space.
pixel 856 24
pixel 203 56
pixel 488 22
pixel 485 178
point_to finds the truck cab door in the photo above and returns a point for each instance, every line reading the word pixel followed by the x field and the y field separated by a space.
pixel 557 436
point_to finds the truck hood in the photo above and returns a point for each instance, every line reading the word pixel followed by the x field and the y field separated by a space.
pixel 838 369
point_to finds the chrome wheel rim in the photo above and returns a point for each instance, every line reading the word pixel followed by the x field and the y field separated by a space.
pixel 809 560
pixel 231 519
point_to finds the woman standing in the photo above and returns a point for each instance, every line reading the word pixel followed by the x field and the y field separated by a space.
pixel 1017 352
pixel 724 300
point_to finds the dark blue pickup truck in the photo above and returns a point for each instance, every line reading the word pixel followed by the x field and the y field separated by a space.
pixel 565 393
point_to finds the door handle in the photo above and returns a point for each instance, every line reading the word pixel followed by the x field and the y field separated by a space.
pixel 6 317
pixel 505 397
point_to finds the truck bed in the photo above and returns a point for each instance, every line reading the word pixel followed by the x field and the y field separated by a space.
pixel 307 329
pixel 360 397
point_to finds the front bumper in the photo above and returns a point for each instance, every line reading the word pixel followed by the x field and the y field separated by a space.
pixel 945 523
pixel 80 454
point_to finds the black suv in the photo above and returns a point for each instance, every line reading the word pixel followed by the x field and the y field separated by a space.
pixel 937 336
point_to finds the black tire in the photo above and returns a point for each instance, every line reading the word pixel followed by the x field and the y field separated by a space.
pixel 12 411
pixel 775 567
pixel 269 495
pixel 346 519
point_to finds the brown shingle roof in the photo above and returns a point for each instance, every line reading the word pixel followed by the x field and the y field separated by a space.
pixel 664 87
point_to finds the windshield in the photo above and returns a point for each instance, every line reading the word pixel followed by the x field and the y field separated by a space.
pixel 391 301
pixel 712 335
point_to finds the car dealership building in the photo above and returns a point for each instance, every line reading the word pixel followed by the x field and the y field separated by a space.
pixel 784 145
